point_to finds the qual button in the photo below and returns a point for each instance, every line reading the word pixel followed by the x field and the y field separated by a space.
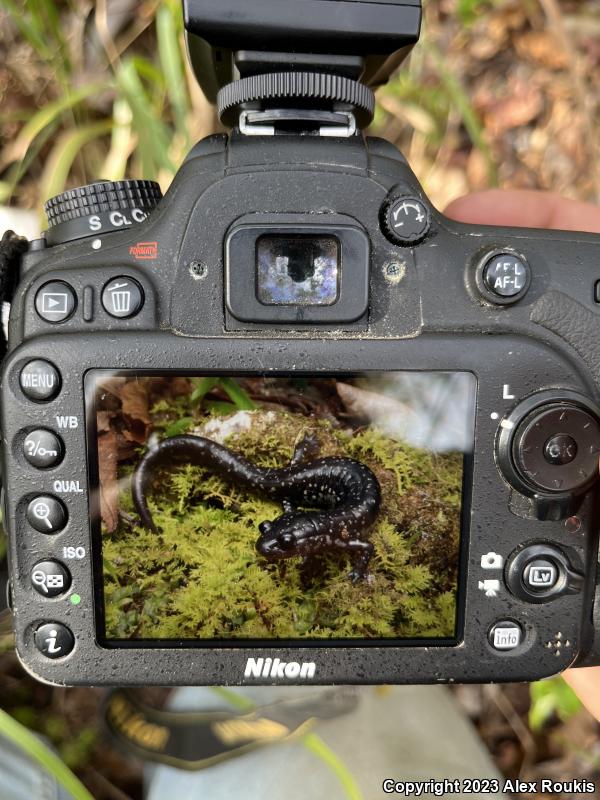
pixel 39 381
pixel 43 449
pixel 122 298
pixel 46 514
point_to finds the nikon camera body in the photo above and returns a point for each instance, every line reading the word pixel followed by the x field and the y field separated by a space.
pixel 288 423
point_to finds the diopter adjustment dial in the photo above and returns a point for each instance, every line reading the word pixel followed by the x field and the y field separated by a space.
pixel 405 219
pixel 99 208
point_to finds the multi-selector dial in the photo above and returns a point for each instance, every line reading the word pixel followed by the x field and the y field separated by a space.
pixel 549 448
pixel 99 208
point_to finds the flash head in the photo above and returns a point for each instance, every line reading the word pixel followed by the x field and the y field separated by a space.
pixel 356 41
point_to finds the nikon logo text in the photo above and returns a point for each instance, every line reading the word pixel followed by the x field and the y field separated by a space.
pixel 275 668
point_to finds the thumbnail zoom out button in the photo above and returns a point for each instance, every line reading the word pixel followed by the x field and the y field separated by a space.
pixel 54 640
pixel 39 381
pixel 50 578
pixel 505 635
pixel 43 449
pixel 46 514
pixel 55 301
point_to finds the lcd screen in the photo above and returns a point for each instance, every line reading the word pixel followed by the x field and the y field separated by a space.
pixel 294 508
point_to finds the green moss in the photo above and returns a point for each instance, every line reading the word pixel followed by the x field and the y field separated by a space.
pixel 201 576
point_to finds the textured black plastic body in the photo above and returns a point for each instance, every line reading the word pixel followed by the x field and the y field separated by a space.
pixel 424 314
pixel 368 36
pixel 355 27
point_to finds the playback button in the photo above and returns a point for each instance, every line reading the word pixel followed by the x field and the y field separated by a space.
pixel 46 514
pixel 55 302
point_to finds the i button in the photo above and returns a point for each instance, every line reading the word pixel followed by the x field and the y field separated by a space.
pixel 54 640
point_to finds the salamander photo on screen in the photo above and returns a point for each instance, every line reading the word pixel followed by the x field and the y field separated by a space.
pixel 279 508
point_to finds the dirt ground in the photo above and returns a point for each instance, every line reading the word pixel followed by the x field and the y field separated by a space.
pixel 503 93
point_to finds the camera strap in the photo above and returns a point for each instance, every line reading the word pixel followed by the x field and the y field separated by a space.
pixel 194 740
pixel 12 248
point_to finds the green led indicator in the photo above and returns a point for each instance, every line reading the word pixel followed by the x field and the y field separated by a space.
pixel 75 599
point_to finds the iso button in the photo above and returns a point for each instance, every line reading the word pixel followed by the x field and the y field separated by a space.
pixel 506 277
pixel 43 449
pixel 39 381
pixel 50 578
pixel 122 298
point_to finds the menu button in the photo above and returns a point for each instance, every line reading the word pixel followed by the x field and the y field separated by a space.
pixel 39 381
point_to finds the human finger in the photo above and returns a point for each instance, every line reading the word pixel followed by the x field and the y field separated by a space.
pixel 525 209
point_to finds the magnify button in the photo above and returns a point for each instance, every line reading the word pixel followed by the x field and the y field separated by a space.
pixel 46 514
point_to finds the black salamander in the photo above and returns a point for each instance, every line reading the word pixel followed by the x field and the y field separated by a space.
pixel 346 492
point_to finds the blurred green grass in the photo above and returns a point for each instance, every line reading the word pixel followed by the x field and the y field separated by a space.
pixel 136 110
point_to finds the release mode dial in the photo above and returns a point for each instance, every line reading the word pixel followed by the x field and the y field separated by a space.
pixel 550 444
pixel 99 208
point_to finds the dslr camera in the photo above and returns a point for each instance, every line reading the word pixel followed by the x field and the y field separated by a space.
pixel 288 423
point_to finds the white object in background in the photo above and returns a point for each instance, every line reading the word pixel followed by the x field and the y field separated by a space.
pixel 20 220
pixel 25 223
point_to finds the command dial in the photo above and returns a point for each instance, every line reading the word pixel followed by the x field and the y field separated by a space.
pixel 99 208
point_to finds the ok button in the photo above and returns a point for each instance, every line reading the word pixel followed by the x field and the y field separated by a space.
pixel 560 449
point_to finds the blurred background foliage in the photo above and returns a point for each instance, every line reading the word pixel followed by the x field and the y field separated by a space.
pixel 498 93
